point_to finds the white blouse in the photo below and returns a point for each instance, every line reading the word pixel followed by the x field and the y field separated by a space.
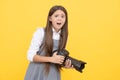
pixel 37 40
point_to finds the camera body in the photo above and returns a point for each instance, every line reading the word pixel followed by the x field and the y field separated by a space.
pixel 78 64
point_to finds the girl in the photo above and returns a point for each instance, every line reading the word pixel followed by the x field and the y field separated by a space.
pixel 44 64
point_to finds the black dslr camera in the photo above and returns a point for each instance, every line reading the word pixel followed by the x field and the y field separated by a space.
pixel 78 64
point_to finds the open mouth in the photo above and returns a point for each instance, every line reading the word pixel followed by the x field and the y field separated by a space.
pixel 59 23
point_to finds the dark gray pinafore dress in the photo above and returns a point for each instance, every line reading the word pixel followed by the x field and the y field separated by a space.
pixel 36 71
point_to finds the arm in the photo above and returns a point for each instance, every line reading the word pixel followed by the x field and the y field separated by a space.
pixel 35 43
pixel 34 47
pixel 54 59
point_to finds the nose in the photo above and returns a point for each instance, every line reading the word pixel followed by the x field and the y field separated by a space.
pixel 59 18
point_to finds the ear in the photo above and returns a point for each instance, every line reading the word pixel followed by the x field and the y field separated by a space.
pixel 50 19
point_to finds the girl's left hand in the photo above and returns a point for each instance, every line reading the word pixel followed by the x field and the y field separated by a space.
pixel 68 64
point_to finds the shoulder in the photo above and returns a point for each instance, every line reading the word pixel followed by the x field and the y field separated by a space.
pixel 39 32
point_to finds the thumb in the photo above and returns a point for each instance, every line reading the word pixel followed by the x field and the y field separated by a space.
pixel 55 53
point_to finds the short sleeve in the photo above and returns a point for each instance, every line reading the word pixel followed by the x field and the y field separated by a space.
pixel 35 43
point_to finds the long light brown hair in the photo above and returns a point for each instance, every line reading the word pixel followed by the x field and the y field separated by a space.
pixel 48 41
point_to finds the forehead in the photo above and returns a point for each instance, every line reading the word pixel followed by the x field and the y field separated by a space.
pixel 59 12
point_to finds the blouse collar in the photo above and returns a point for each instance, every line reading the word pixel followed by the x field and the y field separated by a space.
pixel 55 31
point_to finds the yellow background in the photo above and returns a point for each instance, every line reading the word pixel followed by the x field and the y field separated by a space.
pixel 94 36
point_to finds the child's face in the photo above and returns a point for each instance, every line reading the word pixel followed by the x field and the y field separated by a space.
pixel 58 19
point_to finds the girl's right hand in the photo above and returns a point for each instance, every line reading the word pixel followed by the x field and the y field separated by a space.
pixel 58 59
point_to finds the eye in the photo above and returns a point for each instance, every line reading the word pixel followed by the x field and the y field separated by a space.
pixel 63 16
pixel 56 15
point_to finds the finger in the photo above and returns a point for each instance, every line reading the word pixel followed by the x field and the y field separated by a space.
pixel 62 58
pixel 60 62
pixel 69 63
pixel 66 63
pixel 72 66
